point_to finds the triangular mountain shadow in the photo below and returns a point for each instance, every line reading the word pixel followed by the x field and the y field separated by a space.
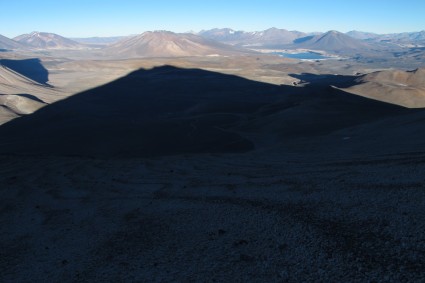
pixel 30 68
pixel 168 110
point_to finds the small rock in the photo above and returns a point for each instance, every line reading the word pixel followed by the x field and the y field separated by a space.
pixel 245 257
pixel 282 247
pixel 240 243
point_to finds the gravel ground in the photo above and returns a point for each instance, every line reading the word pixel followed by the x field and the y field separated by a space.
pixel 213 218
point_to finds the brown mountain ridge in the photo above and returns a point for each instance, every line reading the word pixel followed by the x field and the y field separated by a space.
pixel 45 40
pixel 169 44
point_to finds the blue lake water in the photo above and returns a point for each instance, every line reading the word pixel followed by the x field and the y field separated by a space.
pixel 304 55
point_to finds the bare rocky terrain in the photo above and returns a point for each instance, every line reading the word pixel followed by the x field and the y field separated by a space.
pixel 406 88
pixel 20 95
pixel 237 167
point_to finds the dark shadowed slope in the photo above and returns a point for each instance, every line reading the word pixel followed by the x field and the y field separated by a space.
pixel 30 68
pixel 393 135
pixel 167 110
pixel 149 112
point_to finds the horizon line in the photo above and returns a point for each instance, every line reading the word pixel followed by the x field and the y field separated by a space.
pixel 220 28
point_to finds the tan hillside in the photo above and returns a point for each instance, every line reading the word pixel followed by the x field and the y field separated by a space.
pixel 405 88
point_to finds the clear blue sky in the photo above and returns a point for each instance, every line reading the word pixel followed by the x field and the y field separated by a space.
pixel 83 18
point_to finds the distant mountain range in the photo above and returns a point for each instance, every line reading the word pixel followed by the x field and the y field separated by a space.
pixel 333 41
pixel 362 35
pixel 99 40
pixel 45 40
pixel 405 39
pixel 272 36
pixel 217 41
